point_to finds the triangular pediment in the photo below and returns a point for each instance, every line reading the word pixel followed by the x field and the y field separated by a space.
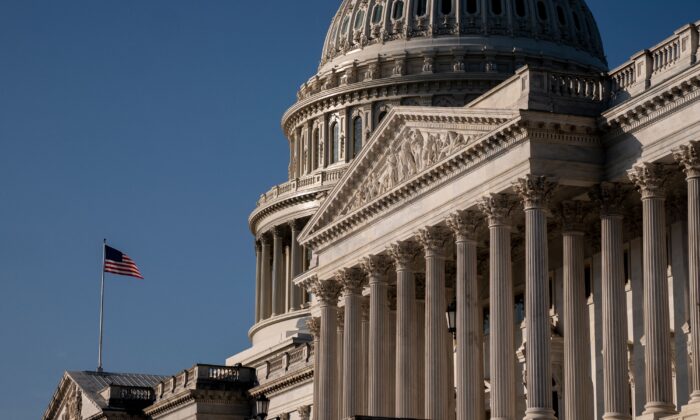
pixel 410 144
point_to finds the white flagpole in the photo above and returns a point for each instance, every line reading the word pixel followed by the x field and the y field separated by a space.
pixel 102 306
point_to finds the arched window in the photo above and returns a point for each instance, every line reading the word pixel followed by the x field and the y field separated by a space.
pixel 334 153
pixel 542 10
pixel 377 13
pixel 356 136
pixel 421 7
pixel 520 8
pixel 359 18
pixel 397 13
pixel 497 7
pixel 346 25
pixel 319 149
pixel 471 6
pixel 577 22
pixel 446 7
pixel 561 16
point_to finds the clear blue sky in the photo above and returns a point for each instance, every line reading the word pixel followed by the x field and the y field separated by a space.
pixel 155 124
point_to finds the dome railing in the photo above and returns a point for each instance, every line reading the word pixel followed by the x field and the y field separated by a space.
pixel 311 181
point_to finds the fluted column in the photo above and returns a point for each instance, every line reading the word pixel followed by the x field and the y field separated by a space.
pixel 614 313
pixel 339 363
pixel 295 256
pixel 436 399
pixel 689 158
pixel 314 326
pixel 379 355
pixel 502 361
pixel 535 192
pixel 470 383
pixel 404 254
pixel 258 252
pixel 327 292
pixel 353 281
pixel 577 383
pixel 649 179
pixel 278 286
pixel 364 381
pixel 266 277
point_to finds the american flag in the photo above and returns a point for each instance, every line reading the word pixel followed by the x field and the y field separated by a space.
pixel 117 262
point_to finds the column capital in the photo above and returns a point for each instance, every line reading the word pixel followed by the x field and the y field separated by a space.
pixel 277 231
pixel 535 191
pixel 314 326
pixel 497 208
pixel 404 253
pixel 649 179
pixel 465 224
pixel 571 215
pixel 265 239
pixel 296 225
pixel 257 245
pixel 688 156
pixel 352 280
pixel 327 291
pixel 611 197
pixel 433 239
pixel 304 412
pixel 375 265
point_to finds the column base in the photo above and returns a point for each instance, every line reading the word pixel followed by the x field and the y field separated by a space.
pixel 665 414
pixel 616 416
pixel 539 414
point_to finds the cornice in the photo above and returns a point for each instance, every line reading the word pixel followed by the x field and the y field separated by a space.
pixel 275 206
pixel 275 386
pixel 639 112
pixel 169 405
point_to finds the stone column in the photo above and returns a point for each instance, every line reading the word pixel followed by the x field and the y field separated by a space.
pixel 390 394
pixel 649 179
pixel 614 313
pixel 470 385
pixel 314 326
pixel 689 158
pixel 502 359
pixel 296 256
pixel 364 381
pixel 436 399
pixel 327 292
pixel 340 358
pixel 419 355
pixel 404 254
pixel 266 277
pixel 535 192
pixel 258 252
pixel 577 384
pixel 353 281
pixel 379 354
pixel 278 286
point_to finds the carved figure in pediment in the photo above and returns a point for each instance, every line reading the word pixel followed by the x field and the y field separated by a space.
pixel 407 160
pixel 390 176
pixel 430 151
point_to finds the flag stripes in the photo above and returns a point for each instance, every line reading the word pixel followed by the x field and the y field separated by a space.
pixel 116 262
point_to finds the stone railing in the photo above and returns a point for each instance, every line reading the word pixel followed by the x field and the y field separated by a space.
pixel 117 395
pixel 307 182
pixel 651 67
pixel 200 375
pixel 576 86
pixel 292 360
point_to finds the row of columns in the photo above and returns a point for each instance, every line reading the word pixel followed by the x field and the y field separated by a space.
pixel 411 386
pixel 278 262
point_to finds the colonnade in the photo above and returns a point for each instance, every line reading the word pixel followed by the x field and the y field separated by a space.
pixel 279 258
pixel 418 370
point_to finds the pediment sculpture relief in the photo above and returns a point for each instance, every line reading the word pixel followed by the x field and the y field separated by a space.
pixel 409 154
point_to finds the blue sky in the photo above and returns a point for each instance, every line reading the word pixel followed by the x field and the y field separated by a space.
pixel 155 124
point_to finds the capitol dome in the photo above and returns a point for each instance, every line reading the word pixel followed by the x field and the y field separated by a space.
pixel 563 30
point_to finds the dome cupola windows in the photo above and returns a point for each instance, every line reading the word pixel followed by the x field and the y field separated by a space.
pixel 472 7
pixel 497 7
pixel 542 11
pixel 520 8
pixel 359 19
pixel 377 14
pixel 356 136
pixel 335 143
pixel 561 16
pixel 446 7
pixel 421 7
pixel 397 10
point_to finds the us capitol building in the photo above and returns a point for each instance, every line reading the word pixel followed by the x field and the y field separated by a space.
pixel 481 221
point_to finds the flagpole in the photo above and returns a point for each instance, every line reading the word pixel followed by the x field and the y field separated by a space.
pixel 102 306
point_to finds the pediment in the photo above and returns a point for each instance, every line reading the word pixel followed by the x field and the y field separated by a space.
pixel 405 149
